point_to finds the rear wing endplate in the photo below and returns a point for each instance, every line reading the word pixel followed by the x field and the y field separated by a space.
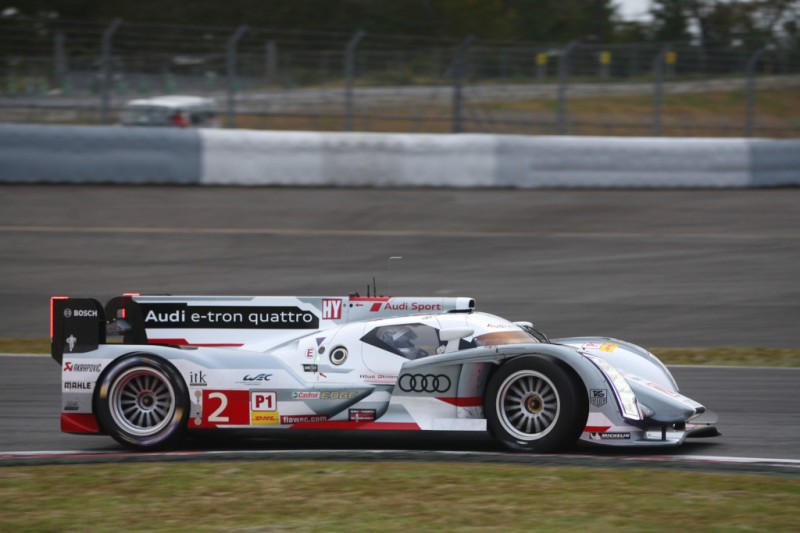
pixel 77 325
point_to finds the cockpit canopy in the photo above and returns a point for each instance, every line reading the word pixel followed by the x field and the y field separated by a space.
pixel 413 340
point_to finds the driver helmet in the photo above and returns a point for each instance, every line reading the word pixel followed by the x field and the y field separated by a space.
pixel 401 340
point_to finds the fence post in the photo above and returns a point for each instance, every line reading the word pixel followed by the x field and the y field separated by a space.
pixel 563 78
pixel 658 88
pixel 230 50
pixel 349 75
pixel 59 60
pixel 272 61
pixel 105 60
pixel 459 72
pixel 750 74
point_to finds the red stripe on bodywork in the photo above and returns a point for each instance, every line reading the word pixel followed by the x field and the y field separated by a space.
pixel 79 423
pixel 184 342
pixel 596 429
pixel 404 426
pixel 471 401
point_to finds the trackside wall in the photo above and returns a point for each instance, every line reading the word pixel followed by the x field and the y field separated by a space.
pixel 86 154
pixel 89 154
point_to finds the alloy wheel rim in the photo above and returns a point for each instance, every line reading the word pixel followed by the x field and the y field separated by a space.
pixel 528 405
pixel 142 401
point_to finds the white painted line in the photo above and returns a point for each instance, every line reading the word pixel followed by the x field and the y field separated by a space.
pixel 724 459
pixel 735 367
pixel 599 458
pixel 315 232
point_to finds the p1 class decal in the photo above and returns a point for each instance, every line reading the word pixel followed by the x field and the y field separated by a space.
pixel 224 408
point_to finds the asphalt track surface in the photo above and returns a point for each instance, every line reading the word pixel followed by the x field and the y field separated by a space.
pixel 659 268
pixel 756 409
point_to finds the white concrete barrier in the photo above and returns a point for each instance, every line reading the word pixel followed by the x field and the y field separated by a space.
pixel 85 154
pixel 347 159
pixel 478 160
pixel 604 162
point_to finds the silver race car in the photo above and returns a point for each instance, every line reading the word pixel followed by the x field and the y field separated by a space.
pixel 148 370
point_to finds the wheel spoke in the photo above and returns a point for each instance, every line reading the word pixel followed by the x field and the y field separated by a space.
pixel 528 424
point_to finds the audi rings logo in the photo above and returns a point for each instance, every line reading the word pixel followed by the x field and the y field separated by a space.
pixel 424 383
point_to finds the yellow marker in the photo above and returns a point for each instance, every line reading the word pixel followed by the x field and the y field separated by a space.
pixel 671 58
pixel 608 347
pixel 605 58
pixel 541 58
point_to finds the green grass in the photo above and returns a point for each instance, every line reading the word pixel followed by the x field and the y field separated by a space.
pixel 25 346
pixel 381 496
pixel 777 357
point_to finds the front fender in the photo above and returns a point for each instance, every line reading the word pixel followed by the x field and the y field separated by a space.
pixel 626 356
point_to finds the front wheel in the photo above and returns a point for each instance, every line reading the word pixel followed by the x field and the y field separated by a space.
pixel 142 402
pixel 532 404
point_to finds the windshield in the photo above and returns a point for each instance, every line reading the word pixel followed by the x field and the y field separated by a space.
pixel 504 337
pixel 152 116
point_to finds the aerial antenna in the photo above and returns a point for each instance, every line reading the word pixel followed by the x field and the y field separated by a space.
pixel 390 270
pixel 374 287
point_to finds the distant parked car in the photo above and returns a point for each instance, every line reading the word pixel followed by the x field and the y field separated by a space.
pixel 170 111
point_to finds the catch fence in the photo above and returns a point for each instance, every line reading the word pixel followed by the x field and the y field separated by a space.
pixel 71 72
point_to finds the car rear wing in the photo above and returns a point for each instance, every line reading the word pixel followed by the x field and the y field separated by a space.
pixel 76 325
pixel 233 321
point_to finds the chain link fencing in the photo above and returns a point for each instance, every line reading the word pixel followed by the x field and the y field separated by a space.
pixel 70 72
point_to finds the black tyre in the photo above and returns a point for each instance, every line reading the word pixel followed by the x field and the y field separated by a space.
pixel 143 402
pixel 532 404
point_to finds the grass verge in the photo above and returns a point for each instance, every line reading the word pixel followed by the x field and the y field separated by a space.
pixel 366 496
pixel 777 357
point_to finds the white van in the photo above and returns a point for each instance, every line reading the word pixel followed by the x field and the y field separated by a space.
pixel 171 111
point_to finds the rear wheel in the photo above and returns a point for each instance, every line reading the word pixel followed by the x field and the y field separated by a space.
pixel 533 404
pixel 142 402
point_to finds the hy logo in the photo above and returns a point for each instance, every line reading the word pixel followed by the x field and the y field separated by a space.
pixel 331 308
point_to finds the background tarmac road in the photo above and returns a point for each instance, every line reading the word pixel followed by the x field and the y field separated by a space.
pixel 756 408
pixel 658 268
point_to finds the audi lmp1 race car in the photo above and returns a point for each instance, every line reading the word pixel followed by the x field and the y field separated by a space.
pixel 148 370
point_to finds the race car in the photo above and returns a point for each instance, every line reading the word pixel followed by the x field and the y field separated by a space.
pixel 148 370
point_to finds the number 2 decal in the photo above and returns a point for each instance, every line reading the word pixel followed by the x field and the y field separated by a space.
pixel 225 407
pixel 216 417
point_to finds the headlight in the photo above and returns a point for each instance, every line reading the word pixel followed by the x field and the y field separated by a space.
pixel 622 389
